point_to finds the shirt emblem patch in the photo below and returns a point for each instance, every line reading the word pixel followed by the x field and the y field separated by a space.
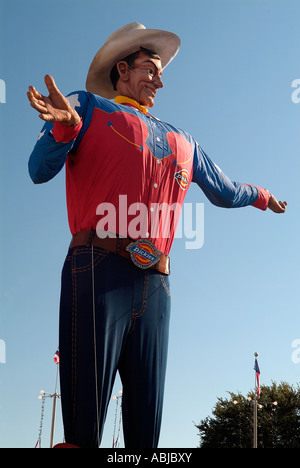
pixel 182 178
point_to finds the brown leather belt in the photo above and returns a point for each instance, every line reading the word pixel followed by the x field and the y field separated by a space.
pixel 142 252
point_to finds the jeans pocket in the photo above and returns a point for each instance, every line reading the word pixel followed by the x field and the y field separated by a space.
pixel 83 257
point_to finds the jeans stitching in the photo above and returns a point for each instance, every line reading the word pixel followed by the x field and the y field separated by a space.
pixel 165 285
pixel 144 302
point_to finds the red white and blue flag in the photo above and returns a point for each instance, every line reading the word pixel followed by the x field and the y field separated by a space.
pixel 56 357
pixel 257 371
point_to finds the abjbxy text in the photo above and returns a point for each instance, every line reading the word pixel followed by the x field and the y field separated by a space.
pixel 160 457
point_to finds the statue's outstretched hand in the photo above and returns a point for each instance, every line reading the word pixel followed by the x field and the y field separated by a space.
pixel 55 107
pixel 276 206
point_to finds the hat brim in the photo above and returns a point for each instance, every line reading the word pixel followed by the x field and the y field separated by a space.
pixel 122 43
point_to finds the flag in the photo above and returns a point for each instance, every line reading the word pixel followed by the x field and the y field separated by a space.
pixel 56 357
pixel 257 371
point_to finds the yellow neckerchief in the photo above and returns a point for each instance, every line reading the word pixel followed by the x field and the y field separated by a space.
pixel 127 100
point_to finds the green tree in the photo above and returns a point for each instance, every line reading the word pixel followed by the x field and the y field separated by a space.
pixel 231 423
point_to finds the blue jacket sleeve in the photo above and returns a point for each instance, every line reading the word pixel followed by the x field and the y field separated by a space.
pixel 217 187
pixel 48 156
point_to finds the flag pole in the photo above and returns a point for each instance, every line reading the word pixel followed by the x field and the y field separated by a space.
pixel 255 410
pixel 55 396
pixel 255 423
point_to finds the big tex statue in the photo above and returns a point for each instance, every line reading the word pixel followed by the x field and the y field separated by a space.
pixel 115 292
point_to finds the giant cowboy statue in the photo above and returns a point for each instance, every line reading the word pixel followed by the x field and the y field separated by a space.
pixel 115 299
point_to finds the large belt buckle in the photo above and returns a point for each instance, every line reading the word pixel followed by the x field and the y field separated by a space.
pixel 143 253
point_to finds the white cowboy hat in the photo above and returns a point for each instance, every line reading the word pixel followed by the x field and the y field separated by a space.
pixel 121 43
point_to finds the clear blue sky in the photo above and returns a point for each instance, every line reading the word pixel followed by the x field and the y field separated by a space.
pixel 230 87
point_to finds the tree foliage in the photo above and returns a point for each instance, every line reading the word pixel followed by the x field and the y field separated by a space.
pixel 231 423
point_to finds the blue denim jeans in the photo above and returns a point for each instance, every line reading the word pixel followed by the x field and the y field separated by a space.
pixel 130 309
